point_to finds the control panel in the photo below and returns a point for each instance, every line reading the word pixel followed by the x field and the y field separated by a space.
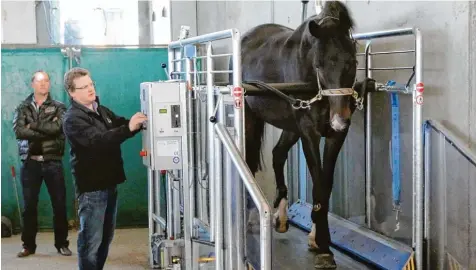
pixel 163 102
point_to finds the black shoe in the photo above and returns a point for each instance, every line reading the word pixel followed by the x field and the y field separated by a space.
pixel 24 253
pixel 65 251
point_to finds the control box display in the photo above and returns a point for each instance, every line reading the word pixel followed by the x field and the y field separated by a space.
pixel 163 102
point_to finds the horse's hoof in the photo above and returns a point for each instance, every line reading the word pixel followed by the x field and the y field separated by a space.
pixel 312 247
pixel 324 261
pixel 281 227
pixel 280 194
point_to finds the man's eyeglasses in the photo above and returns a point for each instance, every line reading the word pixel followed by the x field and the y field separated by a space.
pixel 93 84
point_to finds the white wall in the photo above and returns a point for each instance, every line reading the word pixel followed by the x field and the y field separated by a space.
pixel 161 25
pixel 18 22
pixel 183 13
pixel 28 22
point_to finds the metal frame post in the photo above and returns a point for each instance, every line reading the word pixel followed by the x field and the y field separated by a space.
pixel 150 184
pixel 156 190
pixel 418 148
pixel 239 121
pixel 368 139
pixel 210 141
pixel 427 161
pixel 417 125
pixel 191 143
pixel 188 169
pixel 219 222
pixel 228 177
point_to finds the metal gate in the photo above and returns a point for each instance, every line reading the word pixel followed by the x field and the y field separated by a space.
pixel 372 194
pixel 206 174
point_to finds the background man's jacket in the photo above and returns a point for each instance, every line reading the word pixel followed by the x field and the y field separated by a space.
pixel 45 135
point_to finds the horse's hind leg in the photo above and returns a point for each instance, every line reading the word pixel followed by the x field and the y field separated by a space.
pixel 254 128
pixel 280 154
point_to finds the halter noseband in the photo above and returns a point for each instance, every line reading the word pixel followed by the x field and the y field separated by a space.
pixel 306 104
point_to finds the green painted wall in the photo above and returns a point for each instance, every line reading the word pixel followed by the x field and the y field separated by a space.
pixel 117 73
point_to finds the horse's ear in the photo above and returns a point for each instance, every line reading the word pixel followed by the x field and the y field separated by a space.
pixel 313 28
pixel 323 27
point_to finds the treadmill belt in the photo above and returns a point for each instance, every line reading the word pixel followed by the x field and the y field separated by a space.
pixel 290 252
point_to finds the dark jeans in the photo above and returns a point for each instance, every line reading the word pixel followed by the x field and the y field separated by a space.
pixel 97 216
pixel 32 174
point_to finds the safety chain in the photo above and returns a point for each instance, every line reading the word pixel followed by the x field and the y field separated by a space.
pixel 359 101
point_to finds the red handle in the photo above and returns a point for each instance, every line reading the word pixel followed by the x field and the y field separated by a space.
pixel 13 172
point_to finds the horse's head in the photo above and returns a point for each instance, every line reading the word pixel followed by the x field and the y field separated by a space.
pixel 334 61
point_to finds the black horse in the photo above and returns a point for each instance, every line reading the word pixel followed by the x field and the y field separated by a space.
pixel 321 53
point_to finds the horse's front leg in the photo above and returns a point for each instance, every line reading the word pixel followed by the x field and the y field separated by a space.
pixel 332 148
pixel 324 258
pixel 280 154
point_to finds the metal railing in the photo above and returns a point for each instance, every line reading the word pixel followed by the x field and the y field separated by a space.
pixel 182 59
pixel 450 168
pixel 461 146
pixel 256 194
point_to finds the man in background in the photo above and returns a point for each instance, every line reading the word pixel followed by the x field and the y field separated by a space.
pixel 37 124
pixel 95 134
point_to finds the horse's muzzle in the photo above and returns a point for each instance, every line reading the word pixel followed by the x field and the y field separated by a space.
pixel 338 123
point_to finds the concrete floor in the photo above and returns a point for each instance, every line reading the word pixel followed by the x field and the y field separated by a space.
pixel 128 251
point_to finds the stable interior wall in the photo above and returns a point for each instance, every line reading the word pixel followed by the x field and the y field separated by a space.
pixel 449 44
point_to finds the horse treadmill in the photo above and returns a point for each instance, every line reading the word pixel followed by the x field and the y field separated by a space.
pixel 290 252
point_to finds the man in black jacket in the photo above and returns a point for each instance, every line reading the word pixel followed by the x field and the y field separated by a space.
pixel 37 124
pixel 95 134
